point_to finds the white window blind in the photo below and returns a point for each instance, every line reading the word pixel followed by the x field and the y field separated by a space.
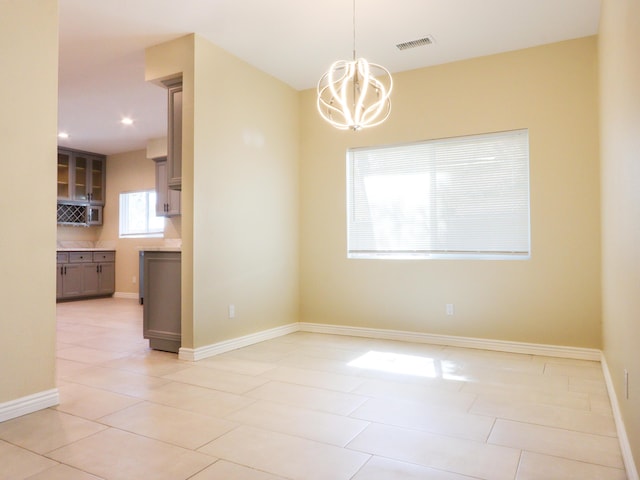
pixel 454 197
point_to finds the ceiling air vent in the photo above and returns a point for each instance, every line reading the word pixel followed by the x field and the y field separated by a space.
pixel 428 40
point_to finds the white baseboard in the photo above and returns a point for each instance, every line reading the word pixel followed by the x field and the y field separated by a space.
pixel 454 341
pixel 133 296
pixel 625 447
pixel 578 353
pixel 195 354
pixel 29 404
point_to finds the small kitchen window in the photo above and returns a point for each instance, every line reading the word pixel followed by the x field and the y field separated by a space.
pixel 138 215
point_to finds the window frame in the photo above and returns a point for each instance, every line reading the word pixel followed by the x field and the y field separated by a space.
pixel 150 213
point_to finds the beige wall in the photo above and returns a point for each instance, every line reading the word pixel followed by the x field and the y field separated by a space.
pixel 67 233
pixel 129 172
pixel 239 192
pixel 554 298
pixel 619 47
pixel 28 122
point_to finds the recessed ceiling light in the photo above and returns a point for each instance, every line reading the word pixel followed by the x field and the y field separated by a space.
pixel 127 121
pixel 63 135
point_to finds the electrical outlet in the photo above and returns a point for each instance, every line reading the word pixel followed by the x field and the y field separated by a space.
pixel 232 311
pixel 449 309
pixel 133 279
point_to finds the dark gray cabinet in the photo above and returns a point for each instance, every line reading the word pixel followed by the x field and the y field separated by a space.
pixel 167 199
pixel 58 281
pixel 82 274
pixel 81 187
pixel 174 133
pixel 105 263
pixel 72 280
pixel 81 177
pixel 161 322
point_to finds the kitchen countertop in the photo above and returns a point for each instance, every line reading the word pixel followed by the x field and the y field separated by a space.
pixel 160 249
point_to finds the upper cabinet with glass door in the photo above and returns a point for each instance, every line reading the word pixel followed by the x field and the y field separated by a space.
pixel 81 177
pixel 64 175
pixel 89 176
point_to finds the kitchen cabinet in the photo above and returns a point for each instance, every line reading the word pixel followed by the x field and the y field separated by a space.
pixel 161 318
pixel 167 199
pixel 93 215
pixel 81 187
pixel 100 275
pixel 81 177
pixel 64 175
pixel 89 179
pixel 174 134
pixel 82 274
pixel 78 214
pixel 61 259
pixel 75 270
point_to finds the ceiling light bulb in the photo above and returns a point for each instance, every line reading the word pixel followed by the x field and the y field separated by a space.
pixel 63 135
pixel 127 121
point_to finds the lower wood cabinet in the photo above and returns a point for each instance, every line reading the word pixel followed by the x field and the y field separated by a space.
pixel 161 319
pixel 82 274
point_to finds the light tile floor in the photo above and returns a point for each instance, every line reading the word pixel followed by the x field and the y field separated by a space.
pixel 307 406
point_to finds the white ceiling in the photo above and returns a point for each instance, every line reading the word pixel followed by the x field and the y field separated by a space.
pixel 102 46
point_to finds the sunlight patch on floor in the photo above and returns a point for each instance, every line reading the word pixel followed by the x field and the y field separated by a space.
pixel 398 363
pixel 407 365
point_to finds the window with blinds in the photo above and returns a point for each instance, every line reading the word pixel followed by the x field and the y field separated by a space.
pixel 138 215
pixel 462 197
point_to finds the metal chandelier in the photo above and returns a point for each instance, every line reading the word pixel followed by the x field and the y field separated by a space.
pixel 355 94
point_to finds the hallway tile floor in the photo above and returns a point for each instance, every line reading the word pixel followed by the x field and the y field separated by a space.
pixel 307 406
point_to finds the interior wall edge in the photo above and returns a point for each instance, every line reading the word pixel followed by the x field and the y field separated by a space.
pixel 625 446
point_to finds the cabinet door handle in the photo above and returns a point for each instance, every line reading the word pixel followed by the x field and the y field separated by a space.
pixel 65 270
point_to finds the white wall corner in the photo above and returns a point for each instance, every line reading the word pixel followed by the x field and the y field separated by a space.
pixel 625 447
pixel 29 404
